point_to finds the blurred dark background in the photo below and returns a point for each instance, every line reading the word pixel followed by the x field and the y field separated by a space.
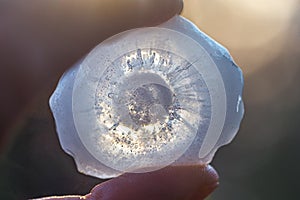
pixel 261 163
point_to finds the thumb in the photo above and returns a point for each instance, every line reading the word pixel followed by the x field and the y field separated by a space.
pixel 182 183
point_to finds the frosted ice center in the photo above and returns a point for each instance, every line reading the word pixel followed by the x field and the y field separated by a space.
pixel 147 106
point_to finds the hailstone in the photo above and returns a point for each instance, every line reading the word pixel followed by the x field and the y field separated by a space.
pixel 148 98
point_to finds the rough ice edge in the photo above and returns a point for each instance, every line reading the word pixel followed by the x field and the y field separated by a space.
pixel 228 69
pixel 61 105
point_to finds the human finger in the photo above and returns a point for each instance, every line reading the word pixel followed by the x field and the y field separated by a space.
pixel 179 182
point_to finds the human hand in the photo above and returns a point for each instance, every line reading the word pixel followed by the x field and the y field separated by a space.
pixel 40 39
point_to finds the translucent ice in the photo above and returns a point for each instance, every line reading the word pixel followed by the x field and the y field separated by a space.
pixel 147 98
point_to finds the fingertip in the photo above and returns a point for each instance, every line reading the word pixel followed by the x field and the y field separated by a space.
pixel 180 182
pixel 155 12
pixel 210 175
pixel 181 6
pixel 210 181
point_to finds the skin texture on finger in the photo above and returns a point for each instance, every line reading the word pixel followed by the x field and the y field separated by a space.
pixel 39 40
pixel 171 183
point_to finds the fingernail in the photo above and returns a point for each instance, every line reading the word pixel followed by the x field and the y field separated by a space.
pixel 210 183
pixel 181 6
